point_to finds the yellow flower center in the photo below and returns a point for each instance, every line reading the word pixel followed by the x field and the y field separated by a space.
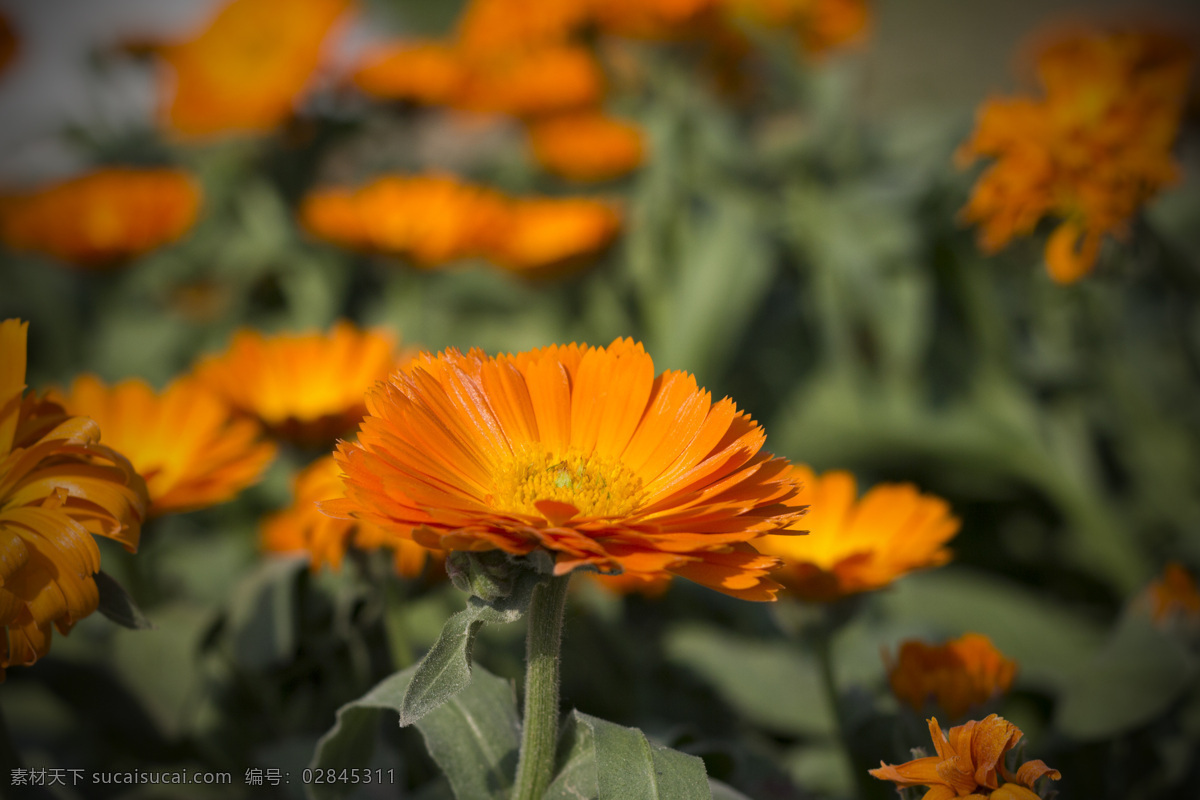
pixel 597 486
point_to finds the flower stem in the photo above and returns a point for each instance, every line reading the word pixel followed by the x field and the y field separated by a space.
pixel 539 737
pixel 823 644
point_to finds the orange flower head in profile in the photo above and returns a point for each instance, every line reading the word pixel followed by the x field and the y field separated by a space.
pixel 1089 153
pixel 305 387
pixel 432 219
pixel 185 441
pixel 578 452
pixel 244 72
pixel 587 146
pixel 856 545
pixel 969 764
pixel 545 235
pixel 58 487
pixel 958 675
pixel 104 218
pixel 303 528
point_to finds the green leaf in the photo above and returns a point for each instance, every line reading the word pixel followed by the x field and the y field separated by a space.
pixel 446 668
pixel 723 791
pixel 473 737
pixel 263 612
pixel 117 605
pixel 601 760
pixel 1133 679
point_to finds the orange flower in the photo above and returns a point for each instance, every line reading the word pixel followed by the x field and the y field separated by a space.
pixel 8 42
pixel 488 27
pixel 58 487
pixel 184 441
pixel 959 674
pixel 578 451
pixel 648 586
pixel 588 146
pixel 1090 152
pixel 1174 595
pixel 246 69
pixel 431 218
pixel 655 19
pixel 306 387
pixel 102 218
pixel 303 527
pixel 859 546
pixel 423 72
pixel 543 235
pixel 969 764
pixel 529 82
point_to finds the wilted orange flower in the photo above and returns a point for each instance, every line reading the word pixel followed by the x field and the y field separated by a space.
pixel 185 441
pixel 102 218
pixel 430 218
pixel 306 387
pixel 303 528
pixel 8 42
pixel 546 234
pixel 969 764
pixel 58 487
pixel 856 546
pixel 246 69
pixel 1174 594
pixel 959 674
pixel 587 146
pixel 423 72
pixel 1094 149
pixel 578 451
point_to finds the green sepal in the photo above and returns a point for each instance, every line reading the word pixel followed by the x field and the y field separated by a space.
pixel 118 606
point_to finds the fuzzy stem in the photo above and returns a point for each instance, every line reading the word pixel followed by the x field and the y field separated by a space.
pixel 539 737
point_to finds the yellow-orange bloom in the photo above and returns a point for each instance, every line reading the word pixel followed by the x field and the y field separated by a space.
pixel 58 487
pixel 588 146
pixel 305 387
pixel 957 675
pixel 424 72
pixel 303 528
pixel 1093 150
pixel 859 545
pixel 969 764
pixel 430 218
pixel 542 235
pixel 185 441
pixel 245 71
pixel 490 27
pixel 577 451
pixel 534 81
pixel 102 218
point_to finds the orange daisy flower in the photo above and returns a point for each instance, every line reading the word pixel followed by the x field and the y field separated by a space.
pixel 965 672
pixel 423 72
pixel 969 764
pixel 246 69
pixel 547 234
pixel 58 487
pixel 303 528
pixel 431 218
pixel 588 146
pixel 580 452
pixel 488 27
pixel 305 387
pixel 859 545
pixel 103 218
pixel 648 586
pixel 184 441
pixel 1093 150
pixel 533 81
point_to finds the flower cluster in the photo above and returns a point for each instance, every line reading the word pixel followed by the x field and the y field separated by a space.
pixel 1089 153
pixel 433 219
pixel 958 675
pixel 103 218
pixel 969 764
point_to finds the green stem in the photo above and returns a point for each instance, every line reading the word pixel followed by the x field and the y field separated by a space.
pixel 823 641
pixel 539 737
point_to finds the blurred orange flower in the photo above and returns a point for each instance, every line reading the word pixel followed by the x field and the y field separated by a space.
pixel 100 219
pixel 184 441
pixel 58 487
pixel 431 218
pixel 969 764
pixel 577 451
pixel 655 19
pixel 303 528
pixel 424 72
pixel 488 27
pixel 587 146
pixel 959 674
pixel 8 42
pixel 533 81
pixel 648 586
pixel 305 387
pixel 1173 595
pixel 245 71
pixel 546 234
pixel 856 546
pixel 1094 149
